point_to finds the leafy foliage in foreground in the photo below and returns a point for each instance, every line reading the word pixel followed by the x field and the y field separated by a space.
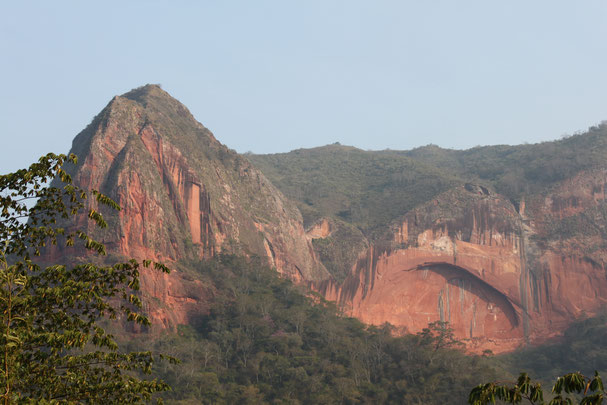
pixel 591 388
pixel 53 347
pixel 264 341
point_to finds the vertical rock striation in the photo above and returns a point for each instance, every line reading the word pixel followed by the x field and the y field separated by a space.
pixel 499 276
pixel 184 197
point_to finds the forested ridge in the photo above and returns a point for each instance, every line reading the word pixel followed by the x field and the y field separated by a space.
pixel 371 188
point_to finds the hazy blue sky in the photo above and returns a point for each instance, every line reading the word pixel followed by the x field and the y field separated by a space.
pixel 271 76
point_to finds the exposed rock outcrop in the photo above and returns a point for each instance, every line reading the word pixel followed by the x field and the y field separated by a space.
pixel 501 273
pixel 495 274
pixel 321 229
pixel 184 196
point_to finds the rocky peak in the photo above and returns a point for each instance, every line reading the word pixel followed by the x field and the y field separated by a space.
pixel 183 194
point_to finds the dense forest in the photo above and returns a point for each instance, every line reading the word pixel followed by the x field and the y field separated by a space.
pixel 583 348
pixel 267 341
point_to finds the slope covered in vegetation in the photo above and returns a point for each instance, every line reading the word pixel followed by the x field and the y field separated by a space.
pixel 366 189
pixel 266 341
pixel 371 188
pixel 583 348
pixel 522 169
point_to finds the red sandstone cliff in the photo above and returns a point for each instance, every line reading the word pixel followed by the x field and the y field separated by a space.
pixel 495 274
pixel 500 275
pixel 184 196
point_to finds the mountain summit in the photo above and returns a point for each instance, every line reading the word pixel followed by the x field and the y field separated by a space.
pixel 184 196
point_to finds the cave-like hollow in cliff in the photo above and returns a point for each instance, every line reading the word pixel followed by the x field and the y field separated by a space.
pixel 465 280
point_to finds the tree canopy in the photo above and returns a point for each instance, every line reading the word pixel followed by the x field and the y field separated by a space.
pixel 524 389
pixel 268 341
pixel 54 348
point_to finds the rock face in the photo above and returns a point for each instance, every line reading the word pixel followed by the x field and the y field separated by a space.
pixel 500 275
pixel 184 196
pixel 322 229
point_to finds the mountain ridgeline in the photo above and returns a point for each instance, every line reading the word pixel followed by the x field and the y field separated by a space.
pixel 373 188
pixel 506 244
pixel 485 238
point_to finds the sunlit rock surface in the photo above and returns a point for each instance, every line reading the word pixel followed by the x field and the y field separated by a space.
pixel 472 259
pixel 184 196
pixel 501 274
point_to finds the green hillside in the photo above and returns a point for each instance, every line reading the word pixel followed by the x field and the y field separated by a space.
pixel 266 341
pixel 522 169
pixel 366 189
pixel 371 188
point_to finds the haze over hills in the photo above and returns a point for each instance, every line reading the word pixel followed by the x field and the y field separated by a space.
pixel 506 243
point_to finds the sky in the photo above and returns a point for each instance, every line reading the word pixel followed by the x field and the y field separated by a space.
pixel 273 76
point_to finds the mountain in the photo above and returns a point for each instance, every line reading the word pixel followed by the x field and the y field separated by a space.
pixel 235 309
pixel 507 243
pixel 184 197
